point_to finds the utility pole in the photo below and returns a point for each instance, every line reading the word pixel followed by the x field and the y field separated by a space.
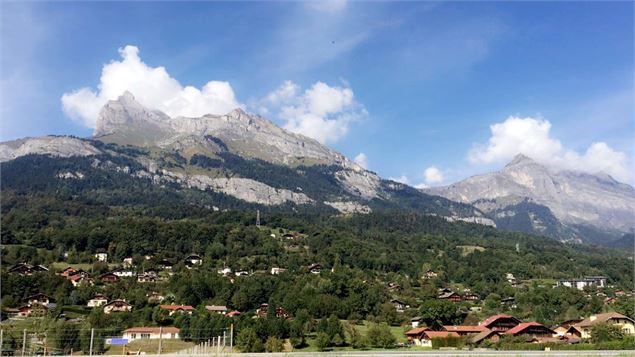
pixel 160 338
pixel 23 342
pixel 92 336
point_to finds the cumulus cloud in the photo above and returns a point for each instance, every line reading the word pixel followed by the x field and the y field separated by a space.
pixel 361 160
pixel 152 87
pixel 321 112
pixel 532 137
pixel 433 175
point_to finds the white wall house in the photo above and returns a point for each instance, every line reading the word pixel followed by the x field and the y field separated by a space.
pixel 151 333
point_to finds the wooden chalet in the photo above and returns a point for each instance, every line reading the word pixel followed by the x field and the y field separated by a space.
pixel 465 330
pixel 117 306
pixel 485 335
pixel 451 296
pixel 173 309
pixel 500 322
pixel 109 278
pixel 531 329
pixel 217 309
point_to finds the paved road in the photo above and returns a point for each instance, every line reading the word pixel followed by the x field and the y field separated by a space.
pixel 475 353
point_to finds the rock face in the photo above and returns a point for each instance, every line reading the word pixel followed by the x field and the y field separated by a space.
pixel 573 197
pixel 62 146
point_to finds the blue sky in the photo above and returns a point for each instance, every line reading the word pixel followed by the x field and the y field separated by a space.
pixel 428 92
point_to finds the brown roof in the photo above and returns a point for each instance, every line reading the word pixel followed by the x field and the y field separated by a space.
pixel 167 329
pixel 177 307
pixel 416 330
pixel 215 308
pixel 490 320
pixel 440 334
pixel 466 329
pixel 599 318
pixel 522 326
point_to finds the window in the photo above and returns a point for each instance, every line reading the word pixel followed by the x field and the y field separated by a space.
pixel 145 336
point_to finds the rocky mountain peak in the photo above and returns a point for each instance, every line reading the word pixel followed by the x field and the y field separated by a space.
pixel 521 160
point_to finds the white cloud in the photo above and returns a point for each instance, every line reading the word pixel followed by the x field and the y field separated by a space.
pixel 321 112
pixel 361 160
pixel 532 137
pixel 152 87
pixel 421 186
pixel 433 175
pixel 401 179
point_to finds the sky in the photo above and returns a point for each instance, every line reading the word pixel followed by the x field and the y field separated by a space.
pixel 421 92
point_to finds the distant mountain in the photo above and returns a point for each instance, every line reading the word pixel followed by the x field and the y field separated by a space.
pixel 238 155
pixel 531 197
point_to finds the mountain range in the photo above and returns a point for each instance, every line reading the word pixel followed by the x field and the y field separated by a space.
pixel 250 159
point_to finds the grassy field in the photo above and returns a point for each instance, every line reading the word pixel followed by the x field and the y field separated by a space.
pixel 469 249
pixel 151 346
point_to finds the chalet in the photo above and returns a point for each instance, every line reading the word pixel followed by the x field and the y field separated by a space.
pixel 80 279
pixel 173 309
pixel 400 306
pixel 39 268
pixel 393 286
pixel 471 297
pixel 34 310
pixel 427 336
pixel 580 284
pixel 511 279
pixel 465 330
pixel 39 299
pixel 155 297
pixel 117 306
pixel 97 301
pixel 626 324
pixel 500 322
pixel 109 278
pixel 193 259
pixel 217 309
pixel 127 262
pixel 225 271
pixel 415 335
pixel 562 328
pixel 165 264
pixel 246 273
pixel 67 272
pixel 147 277
pixel 11 312
pixel 264 309
pixel 485 335
pixel 610 300
pixel 277 271
pixel 315 268
pixel 451 296
pixel 444 290
pixel 531 329
pixel 620 293
pixel 509 302
pixel 123 273
pixel 22 269
pixel 416 321
pixel 233 313
pixel 102 257
pixel 430 274
pixel 151 333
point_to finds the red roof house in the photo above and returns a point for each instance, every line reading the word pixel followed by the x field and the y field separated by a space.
pixel 531 329
pixel 500 322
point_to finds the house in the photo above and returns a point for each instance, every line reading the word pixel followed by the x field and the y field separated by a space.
pixel 173 309
pixel 471 297
pixel 155 297
pixel 147 277
pixel 67 272
pixel 22 269
pixel 444 290
pixel 193 259
pixel 246 273
pixel 416 321
pixel 117 306
pixel 610 300
pixel 233 313
pixel 563 327
pixel 500 322
pixel 415 335
pixel 102 257
pixel 511 279
pixel 276 271
pixel 264 309
pixel 485 335
pixel 151 333
pixel 451 296
pixel 315 268
pixel 426 337
pixel 217 309
pixel 531 329
pixel 165 264
pixel 109 278
pixel 580 284
pixel 39 299
pixel 97 300
pixel 393 286
pixel 225 271
pixel 123 273
pixel 626 324
pixel 509 302
pixel 400 306
pixel 465 330
pixel 80 279
pixel 127 262
pixel 430 274
pixel 34 310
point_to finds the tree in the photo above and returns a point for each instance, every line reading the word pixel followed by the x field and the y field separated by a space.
pixel 354 336
pixel 322 341
pixel 274 344
pixel 248 341
pixel 604 332
pixel 437 313
pixel 379 335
